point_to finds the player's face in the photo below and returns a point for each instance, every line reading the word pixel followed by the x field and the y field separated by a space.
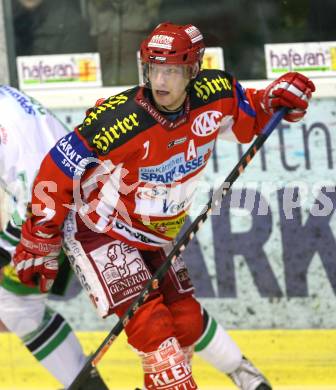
pixel 168 84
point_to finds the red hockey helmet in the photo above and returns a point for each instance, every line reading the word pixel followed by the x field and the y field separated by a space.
pixel 173 44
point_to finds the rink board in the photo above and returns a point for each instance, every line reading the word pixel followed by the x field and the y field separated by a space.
pixel 292 360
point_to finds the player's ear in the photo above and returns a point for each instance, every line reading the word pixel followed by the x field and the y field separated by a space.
pixel 195 69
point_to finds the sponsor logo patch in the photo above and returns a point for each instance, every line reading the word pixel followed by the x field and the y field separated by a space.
pixel 150 193
pixel 170 228
pixel 176 167
pixel 176 142
pixel 205 88
pixel 28 104
pixel 135 234
pixel 181 271
pixel 194 34
pixel 111 104
pixel 125 274
pixel 161 41
pixel 70 155
pixel 108 135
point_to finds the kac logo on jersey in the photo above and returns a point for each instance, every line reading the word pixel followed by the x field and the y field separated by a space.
pixel 206 123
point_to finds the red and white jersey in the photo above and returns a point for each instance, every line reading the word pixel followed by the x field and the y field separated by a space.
pixel 133 173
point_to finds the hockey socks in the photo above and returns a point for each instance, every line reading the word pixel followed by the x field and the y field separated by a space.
pixel 56 347
pixel 217 347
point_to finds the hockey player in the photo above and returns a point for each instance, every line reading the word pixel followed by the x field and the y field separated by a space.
pixel 122 183
pixel 27 132
pixel 22 308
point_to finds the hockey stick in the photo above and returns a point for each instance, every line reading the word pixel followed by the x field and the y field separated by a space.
pixel 180 246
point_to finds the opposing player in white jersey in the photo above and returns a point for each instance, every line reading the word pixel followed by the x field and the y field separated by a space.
pixel 27 132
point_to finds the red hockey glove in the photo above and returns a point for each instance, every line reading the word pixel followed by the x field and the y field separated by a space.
pixel 292 90
pixel 35 257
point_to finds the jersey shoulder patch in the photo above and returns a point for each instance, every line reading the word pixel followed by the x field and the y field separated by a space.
pixel 211 85
pixel 114 122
